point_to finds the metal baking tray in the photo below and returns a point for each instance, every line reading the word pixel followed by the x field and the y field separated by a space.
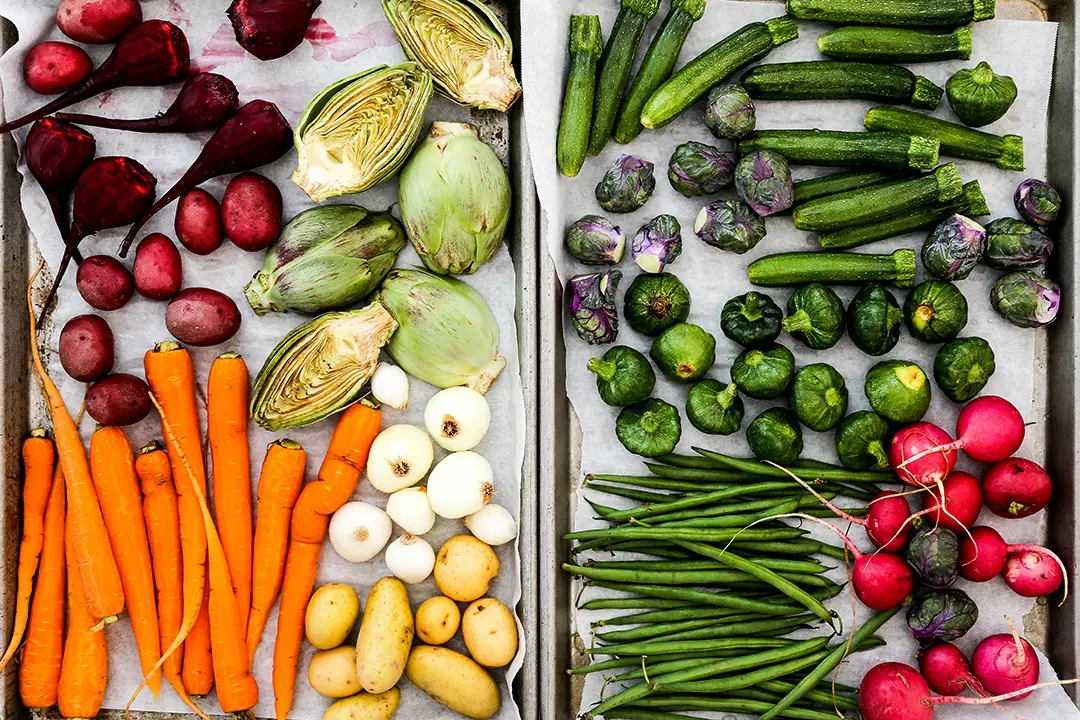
pixel 1057 363
pixel 21 405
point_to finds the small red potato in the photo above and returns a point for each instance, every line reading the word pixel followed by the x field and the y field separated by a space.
pixel 202 317
pixel 54 67
pixel 97 21
pixel 104 282
pixel 158 269
pixel 86 348
pixel 251 211
pixel 119 399
pixel 198 222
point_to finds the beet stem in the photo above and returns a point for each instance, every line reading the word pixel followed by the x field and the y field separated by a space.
pixel 166 122
pixel 71 244
pixel 91 86
pixel 58 204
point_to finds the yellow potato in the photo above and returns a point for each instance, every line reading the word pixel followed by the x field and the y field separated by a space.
pixel 331 615
pixel 453 680
pixel 386 634
pixel 333 672
pixel 365 706
pixel 490 632
pixel 437 620
pixel 464 568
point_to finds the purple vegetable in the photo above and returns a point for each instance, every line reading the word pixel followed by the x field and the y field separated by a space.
pixel 657 244
pixel 763 180
pixel 627 185
pixel 730 225
pixel 269 29
pixel 592 306
pixel 730 112
pixel 942 615
pixel 1012 244
pixel 699 169
pixel 954 248
pixel 1026 299
pixel 593 240
pixel 1037 202
pixel 57 154
pixel 934 552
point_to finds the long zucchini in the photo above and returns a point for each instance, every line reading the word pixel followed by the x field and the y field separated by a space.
pixel 895 45
pixel 841 80
pixel 812 189
pixel 959 141
pixel 576 121
pixel 971 203
pixel 878 202
pixel 833 268
pixel 897 13
pixel 742 47
pixel 657 65
pixel 834 148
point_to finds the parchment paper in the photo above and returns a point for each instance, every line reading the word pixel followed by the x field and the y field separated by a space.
pixel 343 40
pixel 1023 50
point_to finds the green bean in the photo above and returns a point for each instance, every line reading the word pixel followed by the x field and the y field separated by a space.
pixel 600 510
pixel 646 547
pixel 655 483
pixel 824 512
pixel 704 597
pixel 635 604
pixel 694 612
pixel 660 668
pixel 652 648
pixel 635 660
pixel 731 508
pixel 647 632
pixel 755 467
pixel 719 685
pixel 698 474
pixel 631 493
pixel 691 577
pixel 697 640
pixel 859 491
pixel 716 631
pixel 686 461
pixel 698 500
pixel 733 520
pixel 827 698
pixel 716 704
pixel 646 532
pixel 834 552
pixel 778 564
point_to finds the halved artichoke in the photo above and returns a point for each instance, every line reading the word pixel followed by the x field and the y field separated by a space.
pixel 462 44
pixel 320 367
pixel 360 130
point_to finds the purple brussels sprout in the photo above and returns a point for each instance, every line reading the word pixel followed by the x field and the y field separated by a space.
pixel 934 553
pixel 954 248
pixel 1026 299
pixel 593 240
pixel 699 169
pixel 763 180
pixel 730 225
pixel 942 615
pixel 592 306
pixel 657 243
pixel 1037 202
pixel 627 185
pixel 730 112
pixel 1012 244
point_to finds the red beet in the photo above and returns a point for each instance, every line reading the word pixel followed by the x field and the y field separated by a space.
pixel 1016 488
pixel 97 21
pixel 920 454
pixel 963 501
pixel 205 101
pixel 57 154
pixel 54 67
pixel 946 670
pixel 269 29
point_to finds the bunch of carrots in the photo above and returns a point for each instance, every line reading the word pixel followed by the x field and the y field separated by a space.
pixel 138 532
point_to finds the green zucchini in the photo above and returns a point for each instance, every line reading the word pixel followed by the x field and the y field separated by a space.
pixel 841 80
pixel 657 65
pixel 971 203
pixel 895 45
pixel 896 13
pixel 742 47
pixel 833 148
pixel 878 202
pixel 1005 151
pixel 836 268
pixel 585 48
pixel 812 189
pixel 615 66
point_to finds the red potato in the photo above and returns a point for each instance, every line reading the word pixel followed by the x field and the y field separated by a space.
pixel 86 348
pixel 104 282
pixel 158 268
pixel 97 21
pixel 118 399
pixel 251 211
pixel 202 317
pixel 54 67
pixel 198 222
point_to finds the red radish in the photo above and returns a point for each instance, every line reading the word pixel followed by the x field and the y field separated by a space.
pixel 205 101
pixel 982 554
pixel 946 670
pixel 54 67
pixel 152 53
pixel 251 212
pixel 1016 488
pixel 963 501
pixel 921 455
pixel 57 154
pixel 198 222
pixel 97 21
pixel 104 283
pixel 256 135
pixel 988 429
pixel 158 269
pixel 1006 663
pixel 269 29
pixel 1033 571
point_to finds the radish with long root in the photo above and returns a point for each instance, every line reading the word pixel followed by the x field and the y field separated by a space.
pixel 921 455
pixel 988 429
pixel 1029 570
pixel 1006 663
pixel 947 671
pixel 57 154
pixel 1016 488
pixel 963 499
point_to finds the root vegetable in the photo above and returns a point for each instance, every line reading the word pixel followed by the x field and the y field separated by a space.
pixel 1006 663
pixel 359 531
pixel 390 386
pixel 104 282
pixel 202 317
pixel 158 269
pixel 982 554
pixel 365 706
pixel 1030 570
pixel 437 620
pixel 198 222
pixel 251 212
pixel 1016 488
pixel 97 21
pixel 410 508
pixel 330 616
pixel 963 501
pixel 457 418
pixel 56 154
pixel 332 673
pixel 492 524
pixel 410 559
pixel 442 673
pixel 490 632
pixel 386 634
pixel 921 455
pixel 464 568
pixel 946 670
pixel 460 484
pixel 54 67
pixel 400 457
pixel 118 399
pixel 270 29
pixel 86 348
pixel 988 429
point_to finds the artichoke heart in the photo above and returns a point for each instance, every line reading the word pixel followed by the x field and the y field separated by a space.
pixel 360 130
pixel 320 367
pixel 462 44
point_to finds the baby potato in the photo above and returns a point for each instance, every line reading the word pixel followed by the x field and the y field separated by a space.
pixel 333 672
pixel 331 615
pixel 490 632
pixel 437 620
pixel 464 568
pixel 365 706
pixel 453 680
pixel 386 634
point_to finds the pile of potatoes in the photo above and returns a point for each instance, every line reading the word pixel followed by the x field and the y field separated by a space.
pixel 366 677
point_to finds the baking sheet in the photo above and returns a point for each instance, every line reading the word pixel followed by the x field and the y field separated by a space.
pixel 1023 50
pixel 339 43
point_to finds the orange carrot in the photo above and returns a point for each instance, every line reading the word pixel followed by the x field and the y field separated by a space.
pixel 279 487
pixel 39 669
pixel 93 555
pixel 338 475
pixel 85 667
pixel 198 672
pixel 226 421
pixel 113 469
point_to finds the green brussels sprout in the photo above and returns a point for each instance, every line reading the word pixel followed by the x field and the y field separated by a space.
pixel 763 181
pixel 653 303
pixel 764 373
pixel 942 615
pixel 623 376
pixel 753 320
pixel 1026 299
pixel 699 169
pixel 934 553
pixel 963 367
pixel 898 391
pixel 684 352
pixel 592 306
pixel 730 225
pixel 650 428
pixel 594 240
pixel 627 185
pixel 815 315
pixel 714 408
pixel 1012 244
pixel 1037 202
pixel 979 96
pixel 818 396
pixel 729 113
pixel 954 248
pixel 775 435
pixel 862 439
pixel 874 319
pixel 935 311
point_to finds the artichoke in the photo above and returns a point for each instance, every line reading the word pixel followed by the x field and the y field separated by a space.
pixel 763 180
pixel 359 131
pixel 446 334
pixel 657 244
pixel 627 185
pixel 699 169
pixel 1012 244
pixel 1026 299
pixel 593 240
pixel 455 200
pixel 1037 202
pixel 592 306
pixel 320 367
pixel 954 248
pixel 729 113
pixel 934 553
pixel 942 615
pixel 730 225
pixel 464 46
pixel 979 96
pixel 326 258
